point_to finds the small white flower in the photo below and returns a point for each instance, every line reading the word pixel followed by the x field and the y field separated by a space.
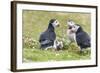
pixel 33 47
pixel 57 54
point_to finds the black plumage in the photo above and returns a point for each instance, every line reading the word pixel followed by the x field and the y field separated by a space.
pixel 48 37
pixel 82 38
pixel 77 34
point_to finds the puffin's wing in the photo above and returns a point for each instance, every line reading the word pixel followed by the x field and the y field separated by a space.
pixel 83 39
pixel 43 37
pixel 45 42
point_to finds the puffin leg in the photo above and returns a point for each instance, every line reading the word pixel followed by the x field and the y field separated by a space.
pixel 55 45
pixel 81 50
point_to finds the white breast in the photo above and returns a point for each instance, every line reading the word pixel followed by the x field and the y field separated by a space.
pixel 71 36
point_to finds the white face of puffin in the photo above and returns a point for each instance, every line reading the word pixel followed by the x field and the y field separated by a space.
pixel 70 23
pixel 75 28
pixel 72 26
pixel 55 23
pixel 72 29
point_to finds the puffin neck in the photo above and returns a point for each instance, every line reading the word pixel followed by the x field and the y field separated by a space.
pixel 79 30
pixel 50 27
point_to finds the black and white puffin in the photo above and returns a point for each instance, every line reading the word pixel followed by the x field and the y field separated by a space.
pixel 47 38
pixel 77 34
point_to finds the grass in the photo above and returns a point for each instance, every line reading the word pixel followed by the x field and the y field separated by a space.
pixel 35 22
pixel 38 55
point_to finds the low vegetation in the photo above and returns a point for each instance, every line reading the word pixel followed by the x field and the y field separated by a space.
pixel 35 22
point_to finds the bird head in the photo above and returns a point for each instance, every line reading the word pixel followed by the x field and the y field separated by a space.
pixel 72 26
pixel 54 23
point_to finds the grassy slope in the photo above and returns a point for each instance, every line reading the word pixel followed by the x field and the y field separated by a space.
pixel 35 22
